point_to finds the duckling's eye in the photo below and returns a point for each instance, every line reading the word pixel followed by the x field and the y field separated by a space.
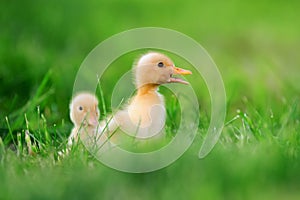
pixel 80 108
pixel 160 64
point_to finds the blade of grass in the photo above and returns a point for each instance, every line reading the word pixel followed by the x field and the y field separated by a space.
pixel 39 97
pixel 2 147
pixel 20 147
pixel 102 99
pixel 31 148
pixel 10 133
pixel 46 133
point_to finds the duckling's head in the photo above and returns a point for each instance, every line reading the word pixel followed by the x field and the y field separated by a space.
pixel 156 68
pixel 84 110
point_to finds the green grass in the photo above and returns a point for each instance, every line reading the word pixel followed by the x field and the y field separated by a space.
pixel 255 45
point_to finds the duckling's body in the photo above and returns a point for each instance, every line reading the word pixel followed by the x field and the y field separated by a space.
pixel 144 116
pixel 85 133
pixel 139 109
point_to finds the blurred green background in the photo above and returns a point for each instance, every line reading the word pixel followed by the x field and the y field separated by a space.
pixel 256 46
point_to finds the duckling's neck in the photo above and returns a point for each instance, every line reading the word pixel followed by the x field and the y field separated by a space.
pixel 145 105
pixel 146 89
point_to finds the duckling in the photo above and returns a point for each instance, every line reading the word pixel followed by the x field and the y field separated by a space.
pixel 145 115
pixel 84 114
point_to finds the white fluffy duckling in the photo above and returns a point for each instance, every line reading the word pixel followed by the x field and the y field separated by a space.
pixel 84 114
pixel 145 115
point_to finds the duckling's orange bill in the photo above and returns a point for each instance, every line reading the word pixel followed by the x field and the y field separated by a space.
pixel 93 121
pixel 179 71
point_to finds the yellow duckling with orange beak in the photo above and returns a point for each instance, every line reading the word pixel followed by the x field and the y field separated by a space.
pixel 145 115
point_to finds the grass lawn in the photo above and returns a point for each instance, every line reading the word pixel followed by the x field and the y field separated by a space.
pixel 255 45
